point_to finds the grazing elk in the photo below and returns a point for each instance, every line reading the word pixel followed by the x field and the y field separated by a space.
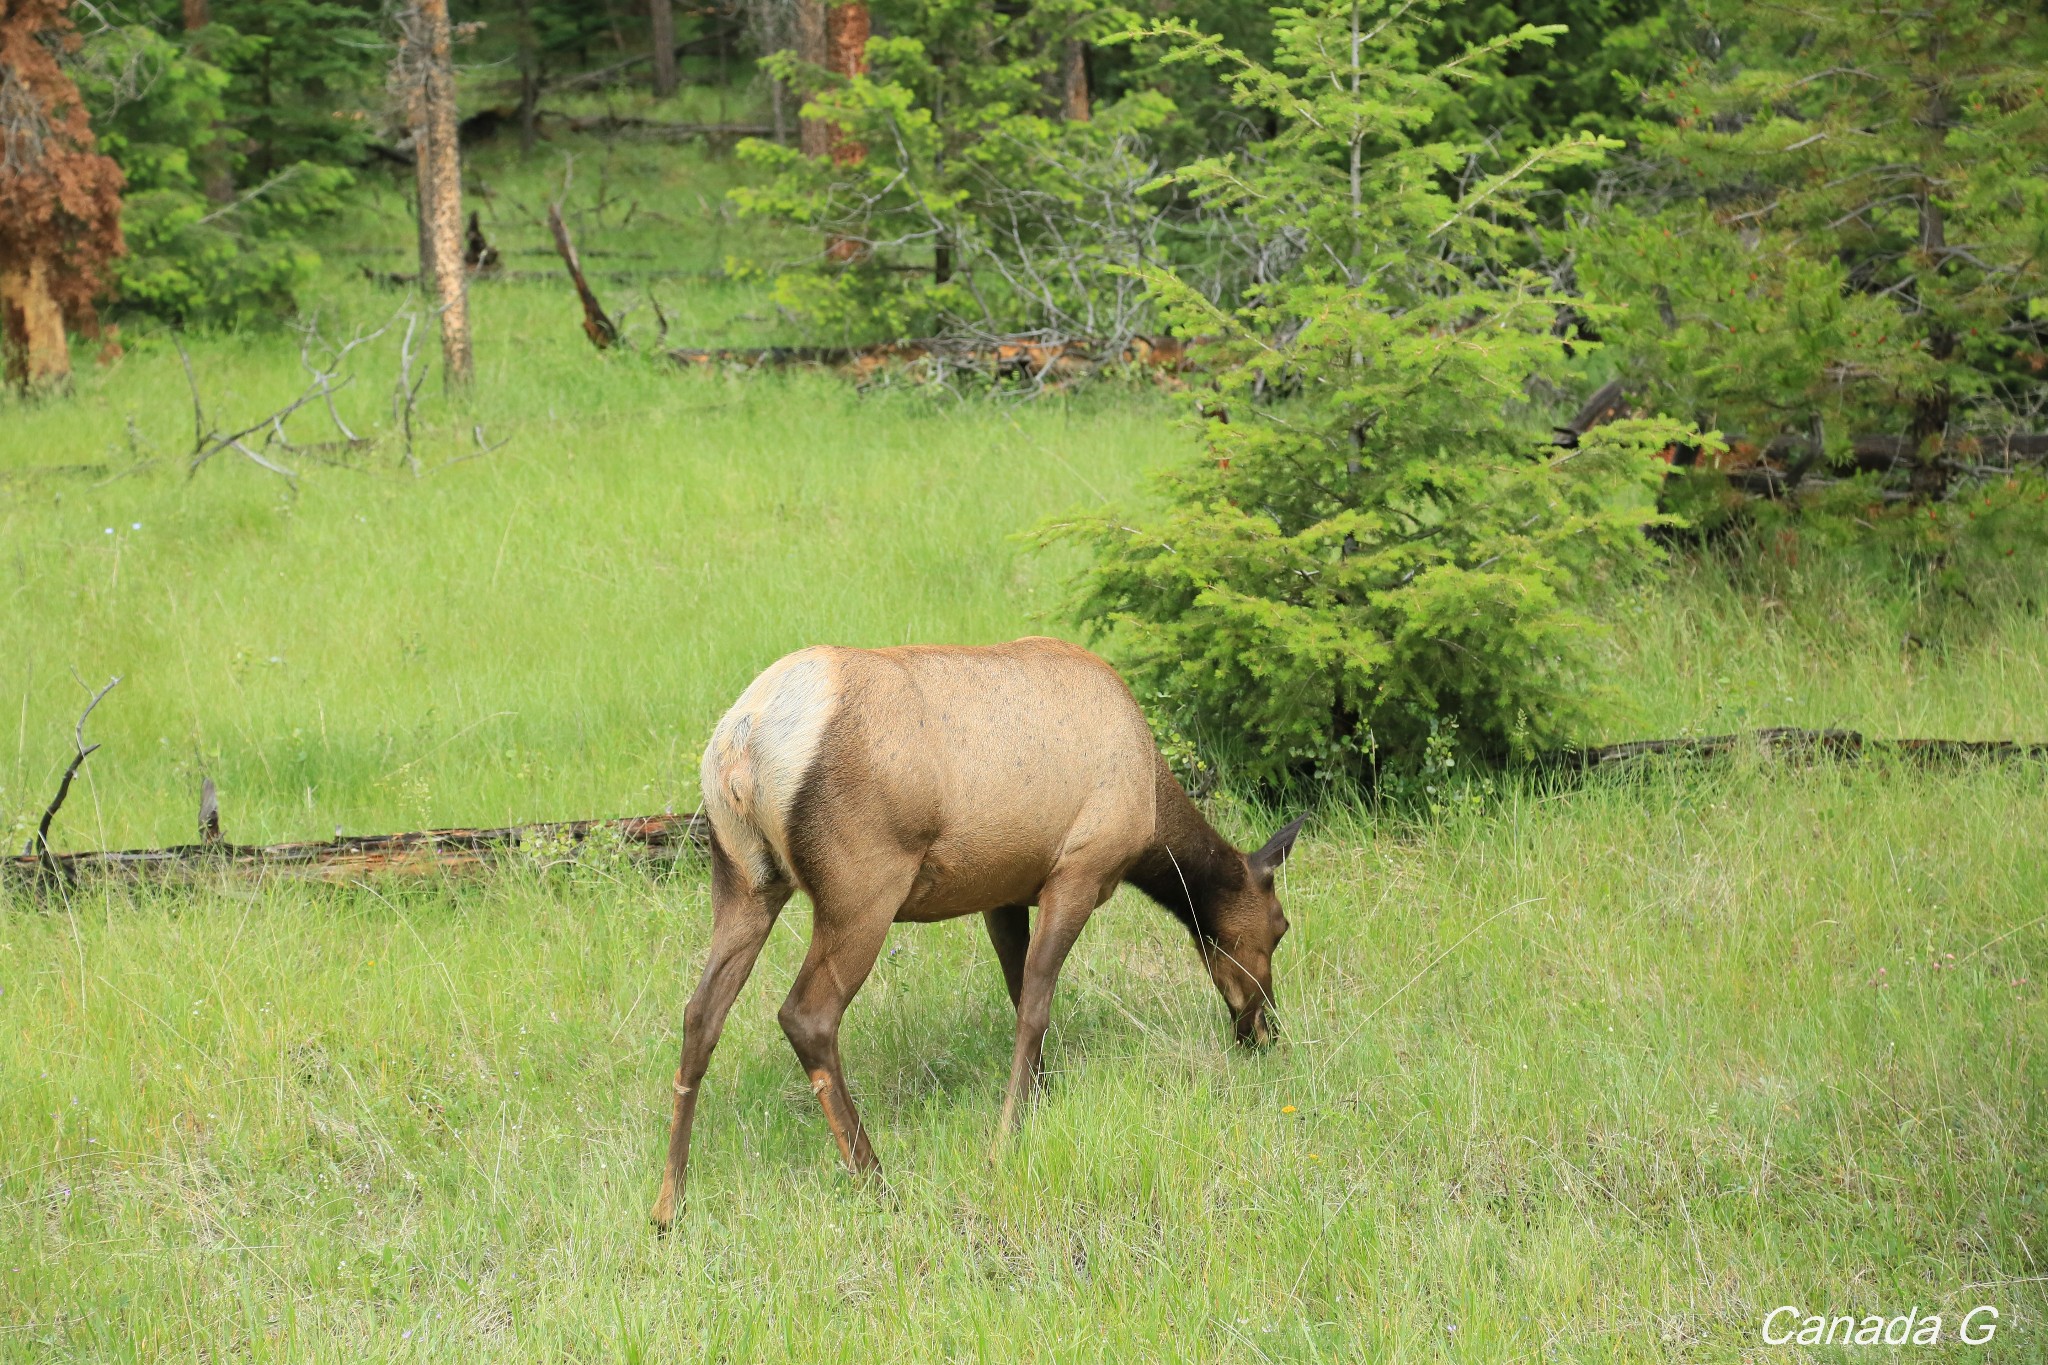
pixel 928 782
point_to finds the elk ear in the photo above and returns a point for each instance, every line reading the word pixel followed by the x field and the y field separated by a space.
pixel 1267 860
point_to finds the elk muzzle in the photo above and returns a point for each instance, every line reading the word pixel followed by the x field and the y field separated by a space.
pixel 1245 982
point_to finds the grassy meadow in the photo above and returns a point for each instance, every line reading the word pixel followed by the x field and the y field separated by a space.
pixel 1603 1071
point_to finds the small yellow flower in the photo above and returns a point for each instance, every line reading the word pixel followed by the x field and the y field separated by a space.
pixel 1313 1157
pixel 1286 1108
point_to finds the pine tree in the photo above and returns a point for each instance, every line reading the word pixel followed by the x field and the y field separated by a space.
pixel 1852 240
pixel 1383 544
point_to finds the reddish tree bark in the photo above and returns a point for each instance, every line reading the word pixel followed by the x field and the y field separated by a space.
pixel 846 54
pixel 60 199
pixel 833 37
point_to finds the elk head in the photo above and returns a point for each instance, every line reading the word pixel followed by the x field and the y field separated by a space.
pixel 1245 926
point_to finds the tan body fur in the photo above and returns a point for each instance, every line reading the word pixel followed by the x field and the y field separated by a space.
pixel 928 782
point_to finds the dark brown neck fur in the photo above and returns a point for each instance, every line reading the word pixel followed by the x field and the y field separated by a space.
pixel 1189 868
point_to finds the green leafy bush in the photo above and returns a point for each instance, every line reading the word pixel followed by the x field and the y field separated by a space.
pixel 1383 544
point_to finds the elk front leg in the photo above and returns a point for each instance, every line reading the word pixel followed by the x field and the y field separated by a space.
pixel 1063 908
pixel 741 918
pixel 1009 929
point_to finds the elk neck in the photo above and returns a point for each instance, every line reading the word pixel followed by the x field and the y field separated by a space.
pixel 1189 868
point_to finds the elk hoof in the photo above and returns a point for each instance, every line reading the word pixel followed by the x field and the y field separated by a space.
pixel 664 1215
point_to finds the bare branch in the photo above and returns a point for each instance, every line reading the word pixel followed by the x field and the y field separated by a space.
pixel 198 412
pixel 40 845
pixel 602 331
pixel 252 196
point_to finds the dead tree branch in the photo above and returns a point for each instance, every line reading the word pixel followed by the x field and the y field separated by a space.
pixel 198 412
pixel 209 812
pixel 405 394
pixel 39 847
pixel 601 330
pixel 326 366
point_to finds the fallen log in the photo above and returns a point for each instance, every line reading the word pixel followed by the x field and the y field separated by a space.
pixel 1024 359
pixel 422 853
pixel 653 840
pixel 1790 743
pixel 1874 453
pixel 1780 466
pixel 628 125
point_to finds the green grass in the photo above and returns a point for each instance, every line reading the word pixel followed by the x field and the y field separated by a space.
pixel 1604 1074
pixel 545 630
pixel 1585 1073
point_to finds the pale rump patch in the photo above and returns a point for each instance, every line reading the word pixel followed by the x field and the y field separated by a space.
pixel 758 756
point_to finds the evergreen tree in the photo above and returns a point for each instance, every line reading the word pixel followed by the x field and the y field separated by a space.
pixel 1383 545
pixel 956 193
pixel 160 103
pixel 1846 234
pixel 304 79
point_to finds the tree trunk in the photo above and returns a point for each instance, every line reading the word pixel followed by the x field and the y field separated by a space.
pixel 846 54
pixel 1931 410
pixel 32 327
pixel 210 160
pixel 438 166
pixel 661 16
pixel 815 135
pixel 834 37
pixel 1074 82
pixel 529 80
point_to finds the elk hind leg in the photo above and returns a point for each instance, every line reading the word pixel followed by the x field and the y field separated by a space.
pixel 742 915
